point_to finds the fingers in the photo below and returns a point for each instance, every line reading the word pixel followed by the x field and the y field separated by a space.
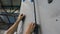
pixel 30 28
pixel 21 16
pixel 32 25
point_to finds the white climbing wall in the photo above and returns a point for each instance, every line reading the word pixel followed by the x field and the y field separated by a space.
pixel 49 15
pixel 27 8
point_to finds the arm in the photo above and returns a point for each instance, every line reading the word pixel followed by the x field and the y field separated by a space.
pixel 30 28
pixel 15 25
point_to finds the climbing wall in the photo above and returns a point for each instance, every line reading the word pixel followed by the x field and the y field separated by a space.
pixel 27 8
pixel 49 16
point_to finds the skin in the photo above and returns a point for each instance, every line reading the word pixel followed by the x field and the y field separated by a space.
pixel 30 28
pixel 15 25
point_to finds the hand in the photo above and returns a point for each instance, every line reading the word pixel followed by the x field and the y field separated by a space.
pixel 30 28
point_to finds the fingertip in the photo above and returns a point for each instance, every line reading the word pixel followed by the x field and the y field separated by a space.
pixel 22 14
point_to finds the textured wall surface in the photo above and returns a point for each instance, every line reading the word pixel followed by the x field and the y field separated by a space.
pixel 27 8
pixel 49 16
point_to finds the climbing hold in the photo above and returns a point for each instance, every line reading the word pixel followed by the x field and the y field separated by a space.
pixel 50 1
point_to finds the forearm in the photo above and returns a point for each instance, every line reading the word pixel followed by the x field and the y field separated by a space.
pixel 15 25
